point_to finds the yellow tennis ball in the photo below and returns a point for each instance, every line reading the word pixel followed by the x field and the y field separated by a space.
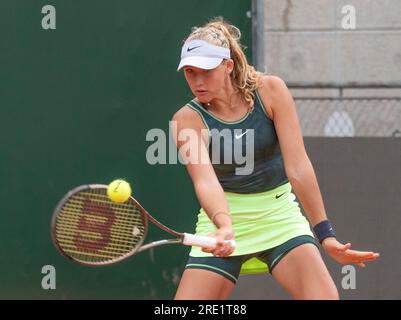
pixel 119 190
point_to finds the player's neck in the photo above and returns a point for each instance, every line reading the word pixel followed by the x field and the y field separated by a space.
pixel 226 102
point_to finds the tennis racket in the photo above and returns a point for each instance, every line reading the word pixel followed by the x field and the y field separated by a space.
pixel 90 229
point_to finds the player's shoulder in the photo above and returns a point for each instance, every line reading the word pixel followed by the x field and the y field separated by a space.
pixel 270 91
pixel 184 113
pixel 187 117
pixel 271 83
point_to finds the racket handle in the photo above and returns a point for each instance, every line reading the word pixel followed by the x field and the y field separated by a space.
pixel 202 241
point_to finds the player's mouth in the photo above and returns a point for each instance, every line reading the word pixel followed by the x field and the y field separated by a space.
pixel 201 92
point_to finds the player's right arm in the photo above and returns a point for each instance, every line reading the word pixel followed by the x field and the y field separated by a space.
pixel 192 141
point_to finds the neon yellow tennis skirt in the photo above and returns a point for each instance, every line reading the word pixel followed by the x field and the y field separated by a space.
pixel 260 221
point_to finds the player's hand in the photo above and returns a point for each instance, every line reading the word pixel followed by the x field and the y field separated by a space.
pixel 344 255
pixel 222 249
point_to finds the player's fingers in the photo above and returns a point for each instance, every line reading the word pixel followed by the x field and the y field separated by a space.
pixel 224 250
pixel 229 247
pixel 370 258
pixel 209 249
pixel 217 249
pixel 362 254
pixel 363 259
pixel 222 253
pixel 218 253
pixel 219 245
pixel 358 260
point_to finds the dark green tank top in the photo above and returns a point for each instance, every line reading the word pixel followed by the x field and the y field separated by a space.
pixel 245 154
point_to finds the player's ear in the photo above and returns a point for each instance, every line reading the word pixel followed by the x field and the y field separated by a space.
pixel 229 65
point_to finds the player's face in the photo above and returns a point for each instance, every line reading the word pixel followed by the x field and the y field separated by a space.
pixel 206 84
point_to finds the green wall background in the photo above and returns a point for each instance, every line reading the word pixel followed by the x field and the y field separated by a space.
pixel 75 106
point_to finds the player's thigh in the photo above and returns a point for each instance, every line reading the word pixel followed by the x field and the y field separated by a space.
pixel 200 284
pixel 303 273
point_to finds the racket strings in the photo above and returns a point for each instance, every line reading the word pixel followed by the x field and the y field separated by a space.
pixel 72 217
pixel 92 229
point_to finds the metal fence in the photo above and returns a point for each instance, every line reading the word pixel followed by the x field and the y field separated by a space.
pixel 348 110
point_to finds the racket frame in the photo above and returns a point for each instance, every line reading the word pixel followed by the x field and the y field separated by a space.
pixel 180 238
pixel 139 247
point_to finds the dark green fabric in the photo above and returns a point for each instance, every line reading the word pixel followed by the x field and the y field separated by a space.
pixel 230 267
pixel 268 166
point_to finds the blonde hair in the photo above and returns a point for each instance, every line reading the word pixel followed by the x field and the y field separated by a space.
pixel 221 33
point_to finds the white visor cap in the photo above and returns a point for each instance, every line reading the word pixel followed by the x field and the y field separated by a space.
pixel 202 54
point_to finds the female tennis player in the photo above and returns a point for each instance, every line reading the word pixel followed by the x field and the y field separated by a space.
pixel 256 208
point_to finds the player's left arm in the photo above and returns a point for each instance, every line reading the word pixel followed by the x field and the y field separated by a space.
pixel 299 169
